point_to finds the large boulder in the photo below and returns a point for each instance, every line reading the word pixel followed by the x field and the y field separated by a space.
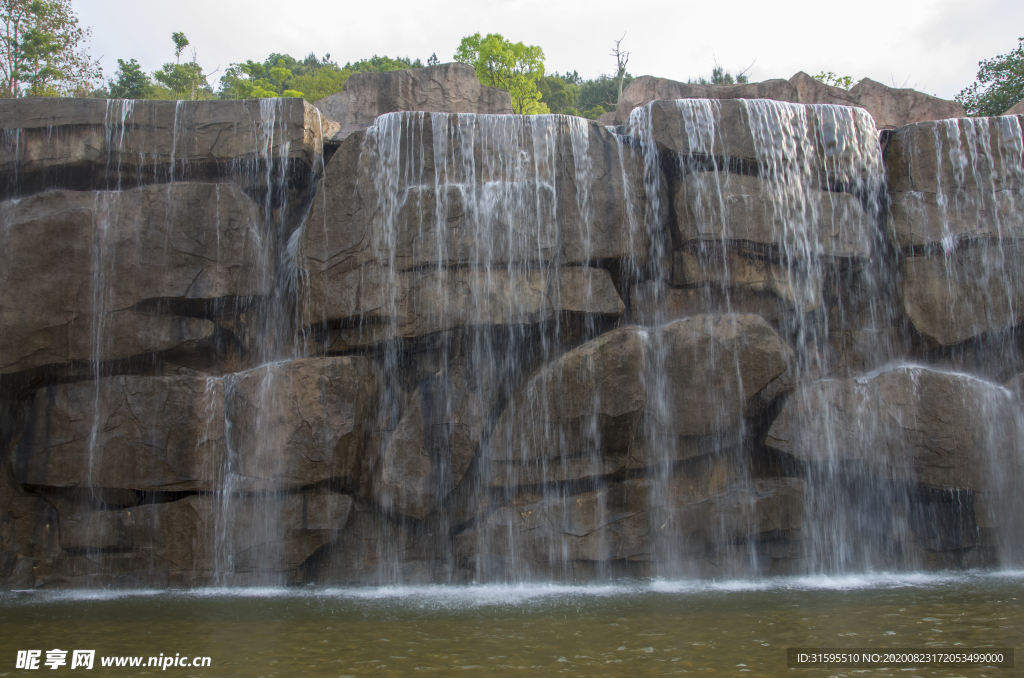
pixel 953 179
pixel 448 88
pixel 890 107
pixel 129 432
pixel 692 378
pixel 99 144
pixel 976 288
pixel 80 267
pixel 716 207
pixel 946 156
pixel 372 304
pixel 182 542
pixel 713 367
pixel 646 89
pixel 299 422
pixel 589 400
pixel 944 431
pixel 575 194
pixel 430 449
pixel 1016 109
pixel 280 426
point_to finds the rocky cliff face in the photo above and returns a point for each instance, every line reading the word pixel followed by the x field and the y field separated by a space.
pixel 735 337
pixel 890 107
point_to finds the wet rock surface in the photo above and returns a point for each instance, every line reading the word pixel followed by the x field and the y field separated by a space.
pixel 738 335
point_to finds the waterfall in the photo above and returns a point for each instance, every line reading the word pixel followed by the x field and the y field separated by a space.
pixel 731 338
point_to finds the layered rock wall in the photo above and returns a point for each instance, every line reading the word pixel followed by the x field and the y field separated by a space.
pixel 734 338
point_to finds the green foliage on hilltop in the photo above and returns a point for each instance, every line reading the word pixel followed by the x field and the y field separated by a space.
pixel 512 66
pixel 42 50
pixel 999 85
pixel 281 75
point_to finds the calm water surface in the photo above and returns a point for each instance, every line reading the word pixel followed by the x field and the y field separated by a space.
pixel 657 628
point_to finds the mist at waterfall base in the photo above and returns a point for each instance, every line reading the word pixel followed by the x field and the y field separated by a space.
pixel 658 628
pixel 554 397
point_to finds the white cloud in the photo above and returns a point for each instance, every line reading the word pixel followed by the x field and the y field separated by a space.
pixel 933 44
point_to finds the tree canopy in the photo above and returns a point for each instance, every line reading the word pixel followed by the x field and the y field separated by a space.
pixel 512 66
pixel 42 50
pixel 999 84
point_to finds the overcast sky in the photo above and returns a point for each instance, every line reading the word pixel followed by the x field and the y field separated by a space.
pixel 932 45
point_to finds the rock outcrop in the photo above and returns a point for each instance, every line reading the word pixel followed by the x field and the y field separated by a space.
pixel 737 335
pixel 890 107
pixel 445 88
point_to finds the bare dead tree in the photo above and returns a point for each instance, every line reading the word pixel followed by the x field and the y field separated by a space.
pixel 621 59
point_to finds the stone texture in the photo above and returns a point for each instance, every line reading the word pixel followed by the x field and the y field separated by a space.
pixel 894 107
pixel 95 143
pixel 949 156
pixel 436 438
pixel 448 88
pixel 719 207
pixel 646 88
pixel 890 107
pixel 1016 109
pixel 300 422
pixel 921 221
pixel 180 538
pixel 373 306
pixel 714 265
pixel 589 400
pixel 713 368
pixel 131 432
pixel 705 371
pixel 105 253
pixel 973 290
pixel 944 431
pixel 293 424
pixel 438 212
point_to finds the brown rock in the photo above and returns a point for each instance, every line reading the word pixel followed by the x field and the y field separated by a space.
pixel 940 430
pixel 269 534
pixel 436 438
pixel 95 143
pixel 588 400
pixel 721 266
pixel 449 88
pixel 975 289
pixel 949 156
pixel 647 88
pixel 194 243
pixel 919 221
pixel 1016 109
pixel 378 307
pixel 888 106
pixel 299 422
pixel 892 107
pixel 591 399
pixel 712 206
pixel 438 212
pixel 713 367
pixel 765 506
pixel 143 433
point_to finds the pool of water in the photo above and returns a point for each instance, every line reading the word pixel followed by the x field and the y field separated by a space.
pixel 651 628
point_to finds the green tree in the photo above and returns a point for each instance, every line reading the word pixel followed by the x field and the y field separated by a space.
pixel 511 66
pixel 312 78
pixel 833 80
pixel 999 84
pixel 559 94
pixel 600 94
pixel 131 82
pixel 179 78
pixel 42 50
